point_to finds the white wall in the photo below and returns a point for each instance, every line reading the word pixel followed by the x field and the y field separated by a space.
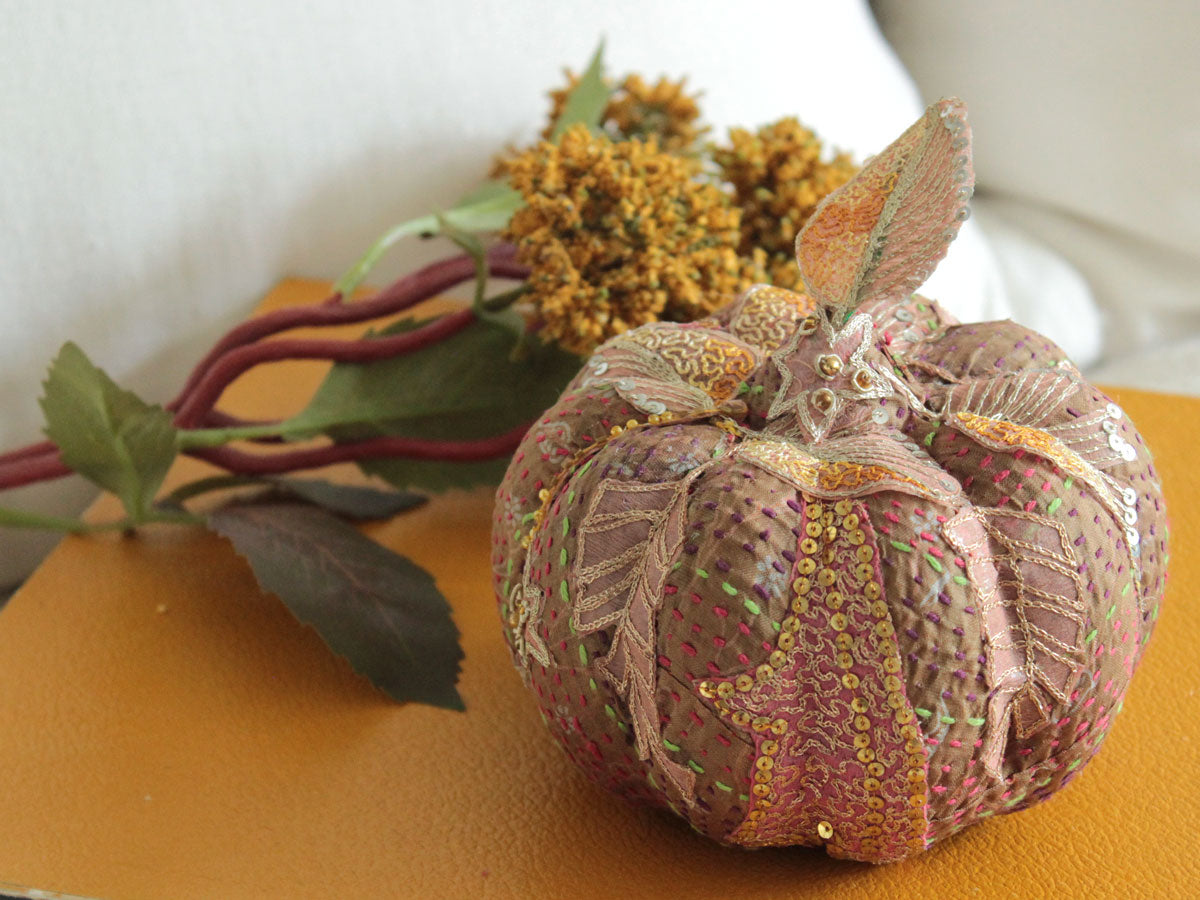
pixel 162 164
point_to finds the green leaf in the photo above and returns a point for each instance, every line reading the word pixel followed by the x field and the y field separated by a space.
pixel 380 611
pixel 487 209
pixel 362 504
pixel 466 387
pixel 587 99
pixel 106 434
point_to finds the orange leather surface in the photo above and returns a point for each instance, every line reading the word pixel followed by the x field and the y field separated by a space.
pixel 166 730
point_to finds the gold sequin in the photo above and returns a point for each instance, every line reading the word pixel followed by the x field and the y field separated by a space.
pixel 865 553
pixel 904 716
pixel 862 740
pixel 725 690
pixel 779 726
pixel 764 763
pixel 895 700
pixel 884 629
pixel 743 682
pixel 865 755
pixel 826 577
pixel 850 680
pixel 872 591
pixel 762 776
pixel 845 660
pixel 871 784
pixel 912 745
pixel 769 747
pixel 851 521
pixel 809 546
pixel 842 507
pixel 707 690
pixel 741 718
pixel 824 830
pixel 915 775
pixel 760 723
pixel 786 642
pixel 763 672
pixel 813 529
pixel 891 664
pixel 802 585
pixel 911 732
pixel 834 599
pixel 800 605
pixel 778 658
pixel 761 790
pixel 875 802
pixel 891 683
pixel 806 566
pixel 830 534
pixel 838 622
pixel 790 625
pixel 859 704
pixel 814 510
pixel 844 640
pixel 876 768
pixel 863 571
pixel 862 723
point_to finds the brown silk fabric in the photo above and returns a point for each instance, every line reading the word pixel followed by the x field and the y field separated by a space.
pixel 863 630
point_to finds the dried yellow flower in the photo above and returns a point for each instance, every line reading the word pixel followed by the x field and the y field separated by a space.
pixel 618 235
pixel 778 177
pixel 640 110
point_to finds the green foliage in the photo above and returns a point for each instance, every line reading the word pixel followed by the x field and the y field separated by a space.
pixel 587 99
pixel 380 611
pixel 466 388
pixel 107 434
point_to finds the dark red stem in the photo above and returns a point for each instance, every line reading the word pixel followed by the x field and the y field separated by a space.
pixel 235 362
pixel 239 351
pixel 245 463
pixel 400 295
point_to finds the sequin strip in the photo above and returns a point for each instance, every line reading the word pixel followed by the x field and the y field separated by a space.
pixel 839 758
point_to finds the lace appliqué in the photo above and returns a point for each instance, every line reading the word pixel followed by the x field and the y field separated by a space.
pixel 1033 602
pixel 628 539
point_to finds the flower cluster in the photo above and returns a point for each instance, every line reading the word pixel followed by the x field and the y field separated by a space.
pixel 619 234
pixel 637 109
pixel 778 178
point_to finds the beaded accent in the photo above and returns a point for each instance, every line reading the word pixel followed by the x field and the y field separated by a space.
pixel 838 755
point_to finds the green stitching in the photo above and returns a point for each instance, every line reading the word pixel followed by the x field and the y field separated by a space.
pixel 933 561
pixel 904 548
pixel 729 588
pixel 1054 505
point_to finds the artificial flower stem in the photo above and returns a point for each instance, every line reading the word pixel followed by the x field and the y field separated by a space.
pixel 237 361
pixel 402 294
pixel 243 462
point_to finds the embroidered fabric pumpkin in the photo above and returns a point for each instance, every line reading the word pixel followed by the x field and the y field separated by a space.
pixel 834 569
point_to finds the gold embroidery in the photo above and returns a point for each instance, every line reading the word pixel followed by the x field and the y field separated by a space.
pixel 703 358
pixel 827 478
pixel 768 315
